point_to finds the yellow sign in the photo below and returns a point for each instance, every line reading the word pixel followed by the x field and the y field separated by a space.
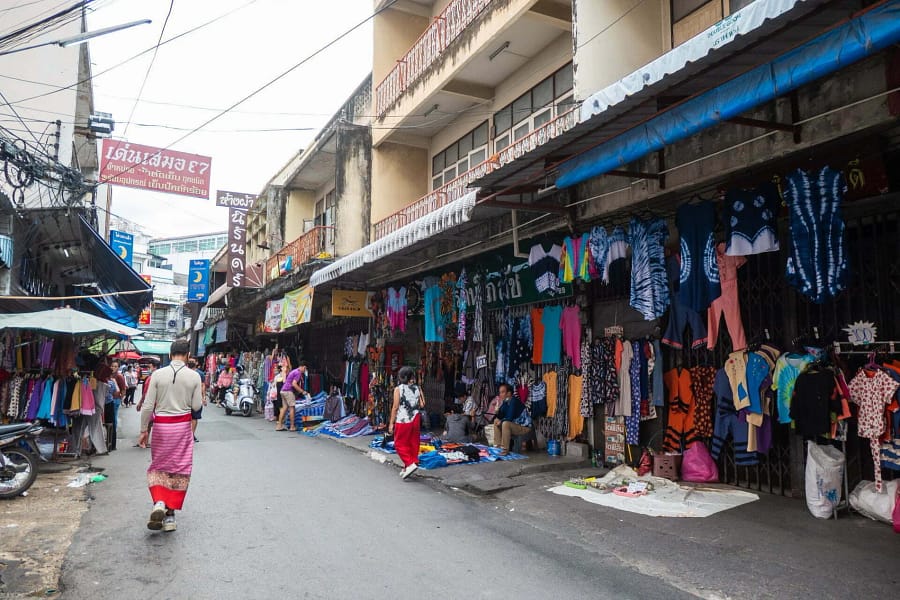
pixel 350 303
pixel 297 307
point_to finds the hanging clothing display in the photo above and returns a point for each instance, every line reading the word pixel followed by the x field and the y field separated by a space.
pixel 570 324
pixel 396 308
pixel 599 245
pixel 434 324
pixel 727 303
pixel 545 267
pixel 681 316
pixel 817 264
pixel 872 391
pixel 750 219
pixel 537 331
pixel 699 281
pixel 550 319
pixel 575 262
pixel 649 285
pixel 680 430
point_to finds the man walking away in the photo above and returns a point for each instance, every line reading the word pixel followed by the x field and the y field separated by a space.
pixel 174 392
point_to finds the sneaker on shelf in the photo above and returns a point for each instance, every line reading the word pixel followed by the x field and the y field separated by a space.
pixel 408 470
pixel 156 516
pixel 169 524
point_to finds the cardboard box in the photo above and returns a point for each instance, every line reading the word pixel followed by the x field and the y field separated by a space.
pixel 614 425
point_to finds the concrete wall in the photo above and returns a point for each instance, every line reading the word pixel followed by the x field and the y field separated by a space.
pixel 300 205
pixel 353 187
pixel 484 32
pixel 637 38
pixel 398 178
pixel 549 60
pixel 394 32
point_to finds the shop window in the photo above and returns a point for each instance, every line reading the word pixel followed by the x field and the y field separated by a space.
pixel 160 249
pixel 535 108
pixel 325 209
pixel 459 157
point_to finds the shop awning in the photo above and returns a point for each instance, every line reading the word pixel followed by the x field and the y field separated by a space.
pixel 161 347
pixel 452 214
pixel 856 39
pixel 750 37
pixel 217 295
pixel 112 274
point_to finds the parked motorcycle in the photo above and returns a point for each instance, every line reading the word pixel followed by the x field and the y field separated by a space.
pixel 19 457
pixel 240 397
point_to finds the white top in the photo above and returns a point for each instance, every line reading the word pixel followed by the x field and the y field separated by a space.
pixel 410 397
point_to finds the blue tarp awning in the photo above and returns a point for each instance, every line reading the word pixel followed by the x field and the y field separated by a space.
pixel 846 44
pixel 113 274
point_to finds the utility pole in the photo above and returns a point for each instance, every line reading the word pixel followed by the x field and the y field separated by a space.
pixel 109 188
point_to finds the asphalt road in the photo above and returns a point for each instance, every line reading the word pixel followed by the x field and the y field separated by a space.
pixel 280 515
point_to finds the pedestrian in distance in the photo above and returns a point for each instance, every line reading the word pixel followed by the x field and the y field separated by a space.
pixel 406 417
pixel 196 415
pixel 131 381
pixel 292 387
pixel 174 392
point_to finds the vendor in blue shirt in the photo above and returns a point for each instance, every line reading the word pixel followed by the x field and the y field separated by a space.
pixel 512 418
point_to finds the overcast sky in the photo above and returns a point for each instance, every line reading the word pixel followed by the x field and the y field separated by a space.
pixel 211 69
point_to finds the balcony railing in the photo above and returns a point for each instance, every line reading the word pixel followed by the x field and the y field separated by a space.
pixel 316 241
pixel 442 32
pixel 456 188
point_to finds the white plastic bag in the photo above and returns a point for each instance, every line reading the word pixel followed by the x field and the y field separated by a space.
pixel 878 507
pixel 824 476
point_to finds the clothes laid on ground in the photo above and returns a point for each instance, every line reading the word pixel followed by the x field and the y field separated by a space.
pixel 699 280
pixel 817 264
pixel 750 219
pixel 432 457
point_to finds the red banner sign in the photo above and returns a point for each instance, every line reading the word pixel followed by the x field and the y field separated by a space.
pixel 157 169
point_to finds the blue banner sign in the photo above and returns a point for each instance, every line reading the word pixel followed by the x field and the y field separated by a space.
pixel 198 280
pixel 123 245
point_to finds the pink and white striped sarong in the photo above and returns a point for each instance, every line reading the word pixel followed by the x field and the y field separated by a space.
pixel 172 458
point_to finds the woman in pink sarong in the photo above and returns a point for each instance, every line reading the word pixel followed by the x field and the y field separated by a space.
pixel 174 391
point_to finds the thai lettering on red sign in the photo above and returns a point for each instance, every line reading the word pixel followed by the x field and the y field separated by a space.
pixel 157 169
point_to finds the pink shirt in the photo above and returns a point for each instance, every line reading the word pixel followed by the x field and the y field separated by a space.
pixel 570 323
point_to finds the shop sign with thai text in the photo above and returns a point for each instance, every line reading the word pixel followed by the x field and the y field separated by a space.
pixel 239 206
pixel 511 286
pixel 155 169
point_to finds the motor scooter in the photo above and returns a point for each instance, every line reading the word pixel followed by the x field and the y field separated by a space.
pixel 19 457
pixel 240 397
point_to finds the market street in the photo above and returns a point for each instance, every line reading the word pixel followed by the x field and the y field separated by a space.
pixel 282 515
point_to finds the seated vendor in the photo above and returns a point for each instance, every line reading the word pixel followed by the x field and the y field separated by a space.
pixel 512 418
pixel 457 426
pixel 464 401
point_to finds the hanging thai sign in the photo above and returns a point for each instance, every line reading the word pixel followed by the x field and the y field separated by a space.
pixel 274 309
pixel 157 169
pixel 123 245
pixel 238 207
pixel 297 307
pixel 198 280
pixel 511 286
pixel 350 303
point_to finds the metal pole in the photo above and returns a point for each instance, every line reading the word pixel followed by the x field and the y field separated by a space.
pixel 108 208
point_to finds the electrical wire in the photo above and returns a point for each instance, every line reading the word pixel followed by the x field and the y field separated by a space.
pixel 43 26
pixel 260 89
pixel 608 27
pixel 149 67
pixel 138 55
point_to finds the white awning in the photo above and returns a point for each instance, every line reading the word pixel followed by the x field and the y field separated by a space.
pixel 731 32
pixel 448 216
pixel 218 294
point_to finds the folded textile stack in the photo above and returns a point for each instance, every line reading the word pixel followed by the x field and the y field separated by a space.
pixel 349 426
